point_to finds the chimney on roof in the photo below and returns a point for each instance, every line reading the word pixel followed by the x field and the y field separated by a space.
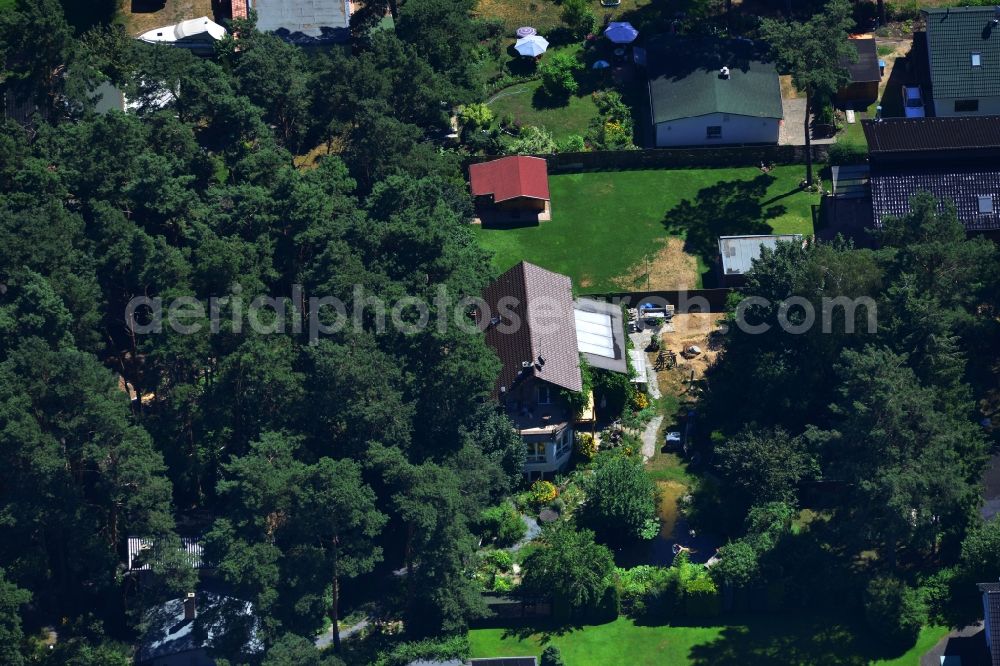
pixel 190 611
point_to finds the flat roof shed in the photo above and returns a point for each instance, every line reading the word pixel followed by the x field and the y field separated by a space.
pixel 304 21
pixel 739 252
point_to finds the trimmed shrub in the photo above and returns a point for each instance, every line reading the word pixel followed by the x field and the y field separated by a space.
pixel 848 153
pixel 609 607
pixel 558 72
pixel 543 492
pixel 552 657
pixel 574 143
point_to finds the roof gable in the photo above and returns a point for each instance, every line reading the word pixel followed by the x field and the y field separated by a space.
pixel 953 35
pixel 684 80
pixel 531 327
pixel 510 178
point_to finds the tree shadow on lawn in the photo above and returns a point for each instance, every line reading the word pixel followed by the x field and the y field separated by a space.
pixel 545 632
pixel 782 639
pixel 731 208
pixel 541 99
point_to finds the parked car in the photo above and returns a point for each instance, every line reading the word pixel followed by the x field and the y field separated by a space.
pixel 913 102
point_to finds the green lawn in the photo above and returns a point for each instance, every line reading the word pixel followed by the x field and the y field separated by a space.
pixel 525 104
pixel 604 224
pixel 853 134
pixel 619 642
pixel 760 640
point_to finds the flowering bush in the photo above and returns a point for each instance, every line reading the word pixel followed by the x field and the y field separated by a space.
pixel 586 446
pixel 543 492
pixel 640 401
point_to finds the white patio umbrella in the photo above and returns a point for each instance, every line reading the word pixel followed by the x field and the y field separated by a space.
pixel 621 32
pixel 532 45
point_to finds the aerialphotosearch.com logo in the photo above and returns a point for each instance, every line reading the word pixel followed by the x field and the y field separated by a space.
pixel 318 316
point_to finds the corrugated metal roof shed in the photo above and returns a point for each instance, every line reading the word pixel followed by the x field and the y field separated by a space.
pixel 738 252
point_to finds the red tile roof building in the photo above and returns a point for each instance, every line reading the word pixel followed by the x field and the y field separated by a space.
pixel 515 177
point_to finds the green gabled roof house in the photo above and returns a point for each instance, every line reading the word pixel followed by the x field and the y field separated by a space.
pixel 963 54
pixel 712 92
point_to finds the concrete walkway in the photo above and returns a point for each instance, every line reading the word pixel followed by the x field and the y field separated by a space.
pixel 325 639
pixel 650 439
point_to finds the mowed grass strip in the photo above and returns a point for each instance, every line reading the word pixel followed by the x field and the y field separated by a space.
pixel 619 642
pixel 606 223
pixel 737 641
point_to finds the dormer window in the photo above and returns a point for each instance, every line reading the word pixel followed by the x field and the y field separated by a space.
pixel 544 394
pixel 986 205
pixel 977 59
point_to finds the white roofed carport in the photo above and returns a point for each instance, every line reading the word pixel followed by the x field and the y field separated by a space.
pixel 594 334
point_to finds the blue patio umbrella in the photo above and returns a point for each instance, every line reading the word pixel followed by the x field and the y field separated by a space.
pixel 532 46
pixel 621 32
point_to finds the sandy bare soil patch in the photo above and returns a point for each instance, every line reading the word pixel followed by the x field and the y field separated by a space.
pixel 700 330
pixel 670 268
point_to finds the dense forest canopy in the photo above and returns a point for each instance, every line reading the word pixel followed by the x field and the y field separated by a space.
pixel 306 463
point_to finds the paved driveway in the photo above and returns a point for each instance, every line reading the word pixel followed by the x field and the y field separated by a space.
pixel 968 644
pixel 790 133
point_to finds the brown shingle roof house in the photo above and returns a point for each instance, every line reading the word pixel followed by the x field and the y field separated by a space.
pixel 540 333
pixel 531 326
